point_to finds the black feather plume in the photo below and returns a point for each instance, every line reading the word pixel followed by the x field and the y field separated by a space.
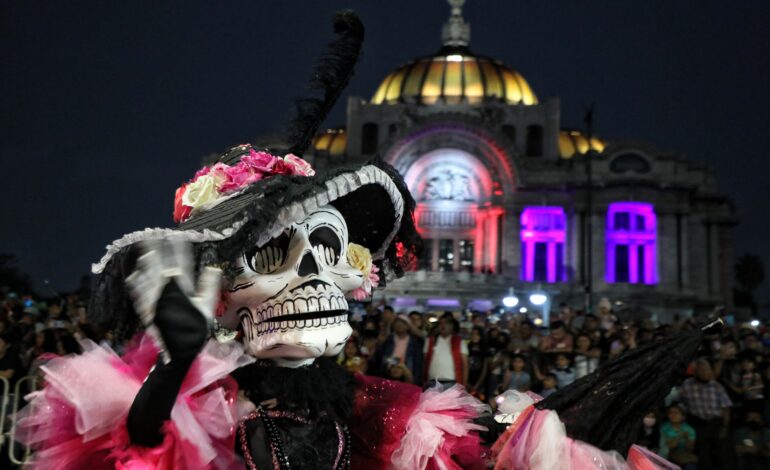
pixel 331 75
pixel 605 408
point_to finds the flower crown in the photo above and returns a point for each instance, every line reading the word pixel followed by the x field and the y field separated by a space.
pixel 214 184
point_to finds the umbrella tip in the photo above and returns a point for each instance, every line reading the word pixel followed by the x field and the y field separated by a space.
pixel 718 323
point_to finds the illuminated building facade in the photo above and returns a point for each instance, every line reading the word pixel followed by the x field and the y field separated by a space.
pixel 502 194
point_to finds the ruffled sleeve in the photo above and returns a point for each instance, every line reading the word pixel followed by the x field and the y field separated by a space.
pixel 78 420
pixel 397 426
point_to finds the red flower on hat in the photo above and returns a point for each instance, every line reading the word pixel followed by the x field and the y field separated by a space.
pixel 181 212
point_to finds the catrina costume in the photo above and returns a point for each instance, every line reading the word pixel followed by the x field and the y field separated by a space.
pixel 244 303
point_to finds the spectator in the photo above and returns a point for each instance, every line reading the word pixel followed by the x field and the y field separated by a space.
pixel 558 340
pixel 729 368
pixel 498 363
pixel 478 356
pixel 591 329
pixel 400 347
pixel 369 338
pixel 649 432
pixel 563 370
pixel 418 325
pixel 752 443
pixel 586 356
pixel 677 440
pixel 386 323
pixel 351 357
pixel 10 364
pixel 549 386
pixel 525 339
pixel 751 386
pixel 400 373
pixel 446 355
pixel 516 377
pixel 44 342
pixel 708 408
pixel 604 314
pixel 626 341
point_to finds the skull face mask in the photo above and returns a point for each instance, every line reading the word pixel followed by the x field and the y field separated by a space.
pixel 290 292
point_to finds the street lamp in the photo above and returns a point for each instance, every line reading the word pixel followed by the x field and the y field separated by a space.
pixel 538 299
pixel 510 301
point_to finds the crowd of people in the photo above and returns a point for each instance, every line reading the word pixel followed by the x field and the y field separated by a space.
pixel 717 418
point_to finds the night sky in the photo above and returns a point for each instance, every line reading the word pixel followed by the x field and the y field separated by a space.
pixel 106 107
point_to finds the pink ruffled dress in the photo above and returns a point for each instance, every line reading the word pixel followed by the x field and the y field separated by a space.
pixel 537 440
pixel 78 420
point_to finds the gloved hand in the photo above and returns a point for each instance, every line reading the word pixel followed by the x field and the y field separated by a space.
pixel 173 310
pixel 177 314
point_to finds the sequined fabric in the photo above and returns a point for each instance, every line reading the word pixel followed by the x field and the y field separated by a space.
pixel 382 409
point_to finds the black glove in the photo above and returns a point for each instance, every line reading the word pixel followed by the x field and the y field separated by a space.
pixel 184 330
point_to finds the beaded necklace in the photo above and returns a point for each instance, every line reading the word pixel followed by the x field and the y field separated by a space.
pixel 275 442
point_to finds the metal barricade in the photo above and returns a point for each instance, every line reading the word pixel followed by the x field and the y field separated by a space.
pixel 4 399
pixel 13 445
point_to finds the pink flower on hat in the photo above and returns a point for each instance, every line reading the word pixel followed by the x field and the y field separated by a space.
pixel 300 166
pixel 224 179
pixel 260 161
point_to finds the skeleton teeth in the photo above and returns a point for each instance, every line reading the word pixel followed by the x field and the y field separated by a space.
pixel 288 307
pixel 292 323
pixel 333 304
pixel 324 304
pixel 269 313
pixel 277 310
pixel 301 306
pixel 301 324
pixel 312 304
pixel 316 322
pixel 284 324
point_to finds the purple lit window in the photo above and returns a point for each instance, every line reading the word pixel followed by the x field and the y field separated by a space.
pixel 543 232
pixel 631 243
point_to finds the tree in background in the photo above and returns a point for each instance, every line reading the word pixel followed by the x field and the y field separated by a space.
pixel 749 274
pixel 12 279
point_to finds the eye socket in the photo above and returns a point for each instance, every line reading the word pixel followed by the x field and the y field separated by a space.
pixel 267 258
pixel 326 244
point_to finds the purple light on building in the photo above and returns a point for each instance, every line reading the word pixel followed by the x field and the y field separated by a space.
pixel 543 233
pixel 631 243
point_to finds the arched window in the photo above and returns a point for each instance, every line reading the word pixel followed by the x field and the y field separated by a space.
pixel 629 162
pixel 543 232
pixel 369 138
pixel 534 141
pixel 631 243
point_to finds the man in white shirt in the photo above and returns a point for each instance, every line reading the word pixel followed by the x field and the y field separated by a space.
pixel 446 356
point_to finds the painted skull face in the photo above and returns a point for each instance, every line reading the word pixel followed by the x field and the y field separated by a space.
pixel 290 292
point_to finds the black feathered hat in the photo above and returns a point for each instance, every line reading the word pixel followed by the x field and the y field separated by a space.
pixel 249 196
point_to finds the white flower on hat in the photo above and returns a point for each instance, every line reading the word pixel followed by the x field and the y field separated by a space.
pixel 201 191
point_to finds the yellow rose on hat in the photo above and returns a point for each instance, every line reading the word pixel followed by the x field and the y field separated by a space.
pixel 360 258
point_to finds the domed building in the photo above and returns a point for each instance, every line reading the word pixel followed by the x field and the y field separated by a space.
pixel 510 202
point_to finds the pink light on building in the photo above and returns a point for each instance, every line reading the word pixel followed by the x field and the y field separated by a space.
pixel 631 243
pixel 543 235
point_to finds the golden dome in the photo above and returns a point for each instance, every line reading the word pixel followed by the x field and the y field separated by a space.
pixel 572 142
pixel 331 143
pixel 453 76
